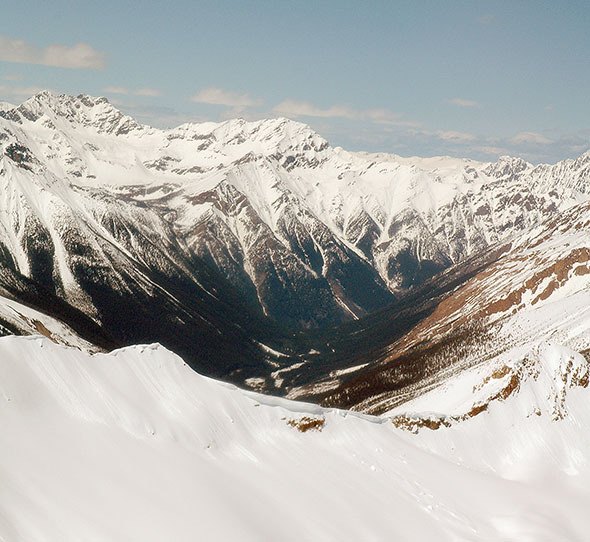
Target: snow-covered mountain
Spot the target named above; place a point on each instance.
(135, 446)
(314, 234)
(174, 185)
(461, 290)
(210, 237)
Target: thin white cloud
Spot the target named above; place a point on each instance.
(124, 91)
(157, 116)
(78, 56)
(487, 19)
(491, 150)
(218, 96)
(462, 102)
(457, 137)
(151, 92)
(533, 138)
(385, 116)
(116, 90)
(295, 108)
(12, 77)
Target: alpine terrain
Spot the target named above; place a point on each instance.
(161, 234)
(385, 330)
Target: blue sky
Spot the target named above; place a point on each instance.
(464, 78)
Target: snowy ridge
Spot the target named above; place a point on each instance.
(68, 112)
(161, 453)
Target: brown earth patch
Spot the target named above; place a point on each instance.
(408, 423)
(509, 389)
(307, 423)
(475, 411)
(414, 423)
(40, 327)
(582, 270)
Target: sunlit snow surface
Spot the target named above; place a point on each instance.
(135, 446)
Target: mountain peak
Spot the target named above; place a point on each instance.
(288, 134)
(270, 136)
(584, 157)
(77, 111)
(507, 166)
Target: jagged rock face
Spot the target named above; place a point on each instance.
(298, 275)
(95, 206)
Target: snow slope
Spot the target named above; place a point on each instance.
(135, 446)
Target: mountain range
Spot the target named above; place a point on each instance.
(268, 258)
(401, 345)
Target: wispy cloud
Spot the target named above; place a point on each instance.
(78, 56)
(124, 91)
(533, 138)
(295, 108)
(218, 96)
(536, 147)
(12, 77)
(116, 90)
(462, 102)
(151, 92)
(492, 150)
(157, 116)
(457, 137)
